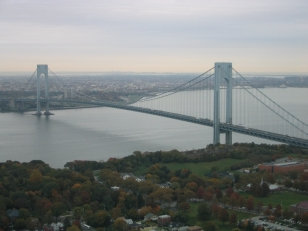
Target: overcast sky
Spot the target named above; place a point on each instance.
(154, 35)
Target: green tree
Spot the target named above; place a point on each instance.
(100, 219)
(58, 208)
(204, 213)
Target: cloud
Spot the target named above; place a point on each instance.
(139, 28)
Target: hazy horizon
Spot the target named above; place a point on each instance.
(123, 73)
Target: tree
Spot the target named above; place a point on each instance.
(184, 206)
(77, 212)
(119, 225)
(233, 218)
(304, 218)
(100, 219)
(260, 190)
(250, 203)
(58, 208)
(24, 213)
(35, 177)
(287, 214)
(223, 215)
(200, 192)
(210, 226)
(160, 195)
(20, 223)
(234, 199)
(145, 210)
(218, 193)
(133, 214)
(204, 213)
(73, 228)
(264, 190)
(277, 211)
(215, 210)
(192, 186)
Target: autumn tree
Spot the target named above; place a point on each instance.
(119, 225)
(35, 177)
(233, 218)
(223, 215)
(73, 228)
(250, 203)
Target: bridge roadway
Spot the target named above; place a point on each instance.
(224, 127)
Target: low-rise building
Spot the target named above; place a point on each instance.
(300, 208)
(283, 166)
(163, 220)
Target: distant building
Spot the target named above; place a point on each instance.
(300, 208)
(283, 165)
(163, 220)
(115, 188)
(149, 216)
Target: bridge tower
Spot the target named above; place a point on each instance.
(223, 72)
(42, 69)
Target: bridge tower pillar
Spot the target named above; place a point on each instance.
(223, 72)
(42, 69)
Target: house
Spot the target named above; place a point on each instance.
(12, 213)
(115, 188)
(274, 187)
(129, 221)
(164, 220)
(149, 216)
(300, 208)
(56, 226)
(126, 176)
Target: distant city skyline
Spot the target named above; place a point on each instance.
(154, 35)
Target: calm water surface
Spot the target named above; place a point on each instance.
(100, 133)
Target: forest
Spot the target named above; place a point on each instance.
(98, 194)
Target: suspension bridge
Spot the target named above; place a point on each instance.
(220, 97)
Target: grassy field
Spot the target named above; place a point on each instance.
(203, 168)
(285, 199)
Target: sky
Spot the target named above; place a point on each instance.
(154, 35)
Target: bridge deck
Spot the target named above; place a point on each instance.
(224, 127)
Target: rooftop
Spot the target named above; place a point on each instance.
(302, 205)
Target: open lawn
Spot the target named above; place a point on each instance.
(241, 215)
(203, 168)
(285, 199)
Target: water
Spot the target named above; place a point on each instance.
(101, 133)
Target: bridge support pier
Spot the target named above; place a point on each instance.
(218, 73)
(223, 72)
(42, 69)
(228, 79)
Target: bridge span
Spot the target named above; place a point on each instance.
(224, 127)
(220, 98)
